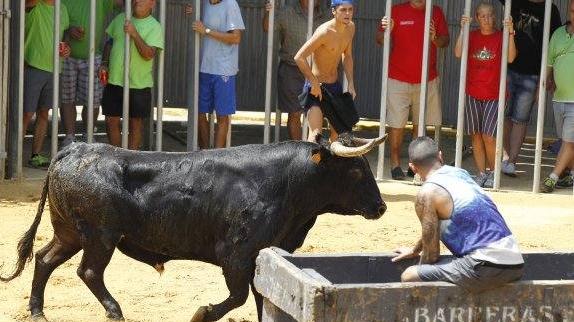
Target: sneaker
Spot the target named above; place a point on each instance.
(508, 168)
(565, 182)
(481, 178)
(489, 182)
(69, 139)
(397, 173)
(410, 173)
(548, 185)
(39, 161)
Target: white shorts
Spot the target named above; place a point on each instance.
(404, 97)
(564, 118)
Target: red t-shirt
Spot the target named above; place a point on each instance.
(483, 69)
(407, 37)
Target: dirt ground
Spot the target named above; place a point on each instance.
(540, 222)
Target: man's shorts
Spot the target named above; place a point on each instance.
(403, 97)
(290, 80)
(523, 93)
(469, 273)
(311, 100)
(217, 92)
(480, 116)
(38, 89)
(113, 101)
(564, 118)
(74, 81)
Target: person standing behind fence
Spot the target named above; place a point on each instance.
(39, 68)
(221, 25)
(561, 82)
(482, 87)
(291, 23)
(331, 44)
(523, 74)
(405, 66)
(146, 37)
(74, 78)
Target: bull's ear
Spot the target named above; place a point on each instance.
(316, 157)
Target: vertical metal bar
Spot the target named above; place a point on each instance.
(56, 78)
(269, 73)
(384, 86)
(126, 98)
(542, 97)
(424, 71)
(192, 117)
(501, 98)
(20, 129)
(462, 88)
(5, 52)
(91, 73)
(310, 16)
(160, 80)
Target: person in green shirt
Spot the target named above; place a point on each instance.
(146, 36)
(39, 69)
(74, 79)
(561, 83)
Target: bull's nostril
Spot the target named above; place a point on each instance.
(382, 209)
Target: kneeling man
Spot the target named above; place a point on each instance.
(454, 209)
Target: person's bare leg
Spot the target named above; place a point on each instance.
(203, 131)
(113, 126)
(40, 130)
(490, 149)
(26, 121)
(221, 131)
(516, 139)
(333, 135)
(410, 275)
(478, 152)
(136, 132)
(506, 138)
(294, 126)
(315, 120)
(565, 157)
(69, 118)
(395, 142)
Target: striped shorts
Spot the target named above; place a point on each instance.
(480, 116)
(74, 82)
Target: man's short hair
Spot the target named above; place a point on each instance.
(336, 3)
(423, 151)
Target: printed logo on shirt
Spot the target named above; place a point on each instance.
(484, 55)
(407, 23)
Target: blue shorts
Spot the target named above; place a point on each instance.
(216, 92)
(334, 88)
(522, 89)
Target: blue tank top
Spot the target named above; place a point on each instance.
(475, 221)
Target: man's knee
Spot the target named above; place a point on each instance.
(410, 275)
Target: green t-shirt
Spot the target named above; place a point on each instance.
(39, 35)
(79, 11)
(561, 59)
(141, 70)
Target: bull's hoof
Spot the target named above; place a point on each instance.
(201, 314)
(114, 317)
(38, 318)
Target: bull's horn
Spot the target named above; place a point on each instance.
(339, 149)
(361, 141)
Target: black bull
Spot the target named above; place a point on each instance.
(217, 206)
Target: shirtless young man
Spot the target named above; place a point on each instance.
(331, 43)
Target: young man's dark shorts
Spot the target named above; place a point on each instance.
(469, 273)
(113, 101)
(311, 100)
(290, 80)
(38, 89)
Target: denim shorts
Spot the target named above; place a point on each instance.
(522, 89)
(564, 118)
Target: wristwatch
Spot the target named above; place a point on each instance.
(207, 31)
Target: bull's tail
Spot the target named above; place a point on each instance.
(26, 243)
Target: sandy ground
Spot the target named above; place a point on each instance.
(541, 223)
